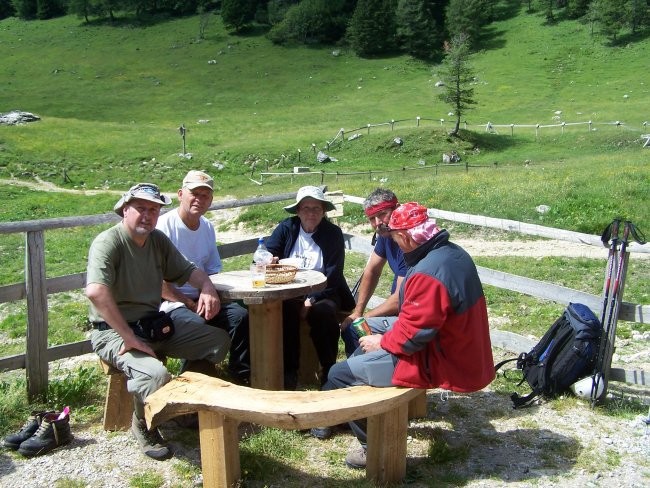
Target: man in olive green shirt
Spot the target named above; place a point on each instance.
(126, 268)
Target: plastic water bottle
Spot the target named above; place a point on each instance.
(262, 255)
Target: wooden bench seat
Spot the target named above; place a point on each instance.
(222, 406)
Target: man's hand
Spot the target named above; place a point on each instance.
(131, 342)
(208, 303)
(345, 323)
(370, 343)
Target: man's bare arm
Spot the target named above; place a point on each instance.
(369, 280)
(172, 294)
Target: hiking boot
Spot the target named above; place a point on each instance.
(322, 433)
(31, 425)
(356, 457)
(150, 441)
(52, 433)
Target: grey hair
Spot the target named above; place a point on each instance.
(378, 196)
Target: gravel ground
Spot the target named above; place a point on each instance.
(542, 446)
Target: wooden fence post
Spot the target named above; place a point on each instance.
(36, 361)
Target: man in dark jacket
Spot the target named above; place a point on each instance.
(319, 245)
(440, 338)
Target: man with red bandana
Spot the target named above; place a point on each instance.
(440, 338)
(378, 208)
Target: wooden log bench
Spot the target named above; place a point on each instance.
(221, 406)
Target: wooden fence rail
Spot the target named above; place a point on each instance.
(37, 288)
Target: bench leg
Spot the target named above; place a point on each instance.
(118, 406)
(418, 406)
(219, 439)
(386, 457)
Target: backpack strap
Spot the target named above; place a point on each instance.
(505, 361)
(525, 401)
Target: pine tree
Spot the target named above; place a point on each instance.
(418, 31)
(608, 16)
(237, 13)
(467, 17)
(457, 74)
(372, 27)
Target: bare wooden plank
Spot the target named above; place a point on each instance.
(36, 358)
(529, 229)
(11, 293)
(238, 248)
(57, 223)
(510, 341)
(633, 377)
(87, 220)
(70, 350)
(549, 291)
(66, 283)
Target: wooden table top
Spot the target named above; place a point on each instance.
(238, 285)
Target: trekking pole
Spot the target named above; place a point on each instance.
(612, 316)
(609, 234)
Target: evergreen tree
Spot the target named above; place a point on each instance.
(577, 8)
(26, 9)
(418, 33)
(372, 27)
(457, 75)
(6, 9)
(608, 15)
(237, 13)
(468, 17)
(638, 14)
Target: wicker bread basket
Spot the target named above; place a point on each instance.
(277, 274)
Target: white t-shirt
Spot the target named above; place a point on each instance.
(198, 246)
(307, 251)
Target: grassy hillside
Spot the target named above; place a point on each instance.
(112, 97)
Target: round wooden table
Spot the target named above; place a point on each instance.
(265, 318)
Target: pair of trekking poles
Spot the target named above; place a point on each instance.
(613, 287)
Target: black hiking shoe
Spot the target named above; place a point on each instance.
(31, 425)
(150, 441)
(52, 433)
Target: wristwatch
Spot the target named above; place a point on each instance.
(311, 300)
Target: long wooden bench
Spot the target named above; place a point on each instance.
(222, 406)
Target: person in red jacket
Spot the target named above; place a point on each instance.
(440, 338)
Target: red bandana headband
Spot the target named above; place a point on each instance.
(407, 216)
(390, 204)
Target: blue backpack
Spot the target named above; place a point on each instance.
(565, 354)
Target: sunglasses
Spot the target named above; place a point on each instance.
(145, 188)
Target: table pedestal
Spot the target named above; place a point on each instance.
(267, 359)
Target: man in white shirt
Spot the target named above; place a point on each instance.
(194, 236)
